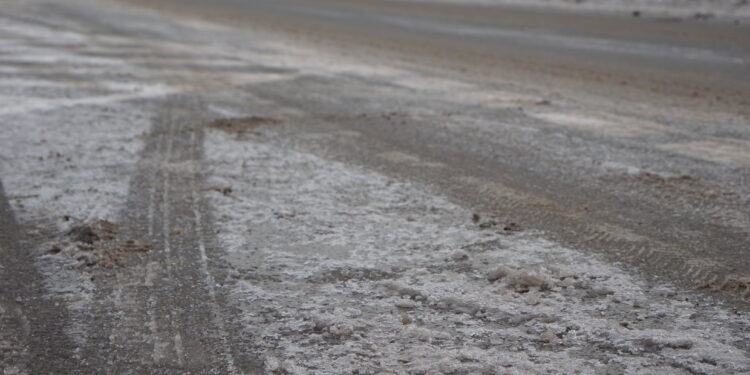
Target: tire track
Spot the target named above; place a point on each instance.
(168, 298)
(176, 337)
(160, 314)
(501, 178)
(31, 320)
(218, 319)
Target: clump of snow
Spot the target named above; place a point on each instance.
(523, 280)
(499, 273)
(345, 270)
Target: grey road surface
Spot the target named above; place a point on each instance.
(361, 186)
(682, 88)
(670, 56)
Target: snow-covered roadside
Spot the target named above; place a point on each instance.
(67, 148)
(343, 270)
(732, 10)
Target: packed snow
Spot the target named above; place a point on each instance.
(343, 270)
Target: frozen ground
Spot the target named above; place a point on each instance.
(343, 270)
(256, 251)
(67, 147)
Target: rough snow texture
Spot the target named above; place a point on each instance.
(338, 269)
(67, 146)
(342, 270)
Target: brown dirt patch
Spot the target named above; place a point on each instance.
(242, 125)
(95, 231)
(651, 178)
(98, 244)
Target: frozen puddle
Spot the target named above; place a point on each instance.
(343, 270)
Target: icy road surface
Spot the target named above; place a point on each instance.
(178, 196)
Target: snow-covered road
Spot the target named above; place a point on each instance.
(170, 205)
